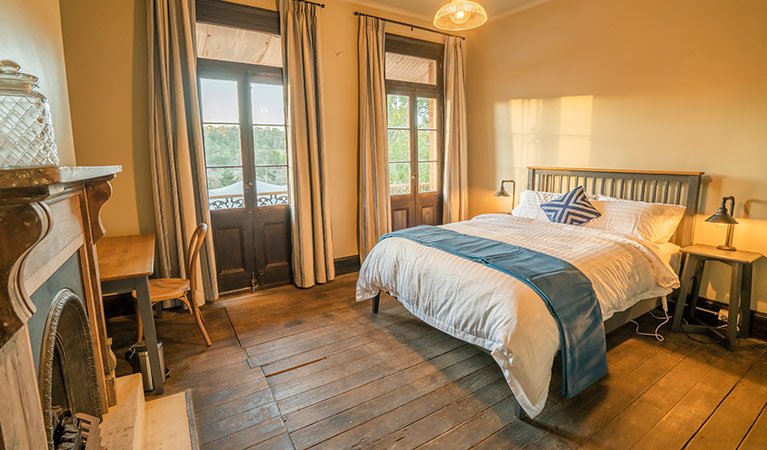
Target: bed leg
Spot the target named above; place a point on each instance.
(376, 299)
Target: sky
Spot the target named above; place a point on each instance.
(219, 102)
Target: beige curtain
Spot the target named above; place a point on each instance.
(374, 216)
(455, 206)
(309, 203)
(175, 144)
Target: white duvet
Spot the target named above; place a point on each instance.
(496, 311)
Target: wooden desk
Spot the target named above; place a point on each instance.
(739, 310)
(125, 264)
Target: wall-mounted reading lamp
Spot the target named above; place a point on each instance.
(503, 193)
(724, 217)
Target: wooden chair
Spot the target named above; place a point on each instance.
(161, 289)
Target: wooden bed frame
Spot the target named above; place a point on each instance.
(677, 188)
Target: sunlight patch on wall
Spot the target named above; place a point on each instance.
(542, 131)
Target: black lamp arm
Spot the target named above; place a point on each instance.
(731, 199)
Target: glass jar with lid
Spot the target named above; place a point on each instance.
(26, 131)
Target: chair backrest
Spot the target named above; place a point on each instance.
(195, 243)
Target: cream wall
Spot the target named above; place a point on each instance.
(105, 45)
(678, 85)
(30, 34)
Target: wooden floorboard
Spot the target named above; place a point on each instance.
(312, 368)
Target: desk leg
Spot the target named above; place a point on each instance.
(732, 319)
(745, 301)
(689, 269)
(150, 335)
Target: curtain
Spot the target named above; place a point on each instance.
(175, 143)
(312, 241)
(455, 206)
(374, 216)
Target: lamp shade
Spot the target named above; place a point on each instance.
(722, 215)
(460, 15)
(502, 192)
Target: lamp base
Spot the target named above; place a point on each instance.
(726, 248)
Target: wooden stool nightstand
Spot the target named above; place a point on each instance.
(739, 311)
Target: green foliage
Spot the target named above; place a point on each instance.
(399, 145)
(222, 148)
(222, 145)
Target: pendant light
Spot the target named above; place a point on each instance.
(460, 15)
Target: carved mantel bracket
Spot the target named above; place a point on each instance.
(23, 225)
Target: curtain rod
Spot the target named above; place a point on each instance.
(357, 13)
(321, 5)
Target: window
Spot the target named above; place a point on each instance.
(243, 116)
(414, 115)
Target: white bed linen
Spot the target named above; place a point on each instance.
(496, 311)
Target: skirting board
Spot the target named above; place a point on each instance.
(758, 324)
(347, 264)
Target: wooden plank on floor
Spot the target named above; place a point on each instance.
(446, 418)
(249, 436)
(331, 398)
(212, 431)
(232, 407)
(681, 423)
(373, 419)
(270, 352)
(405, 331)
(338, 361)
(416, 349)
(729, 424)
(757, 435)
(476, 429)
(329, 322)
(280, 442)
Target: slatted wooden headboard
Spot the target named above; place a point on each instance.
(678, 188)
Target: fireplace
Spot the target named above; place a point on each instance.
(67, 372)
(54, 363)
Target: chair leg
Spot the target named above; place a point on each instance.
(198, 318)
(139, 324)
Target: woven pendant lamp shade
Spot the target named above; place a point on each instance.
(460, 15)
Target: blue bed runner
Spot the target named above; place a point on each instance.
(568, 294)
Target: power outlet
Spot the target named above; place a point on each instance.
(723, 315)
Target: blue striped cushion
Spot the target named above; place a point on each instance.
(572, 208)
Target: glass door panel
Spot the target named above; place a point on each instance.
(221, 138)
(428, 145)
(270, 150)
(398, 124)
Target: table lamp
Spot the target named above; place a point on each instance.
(723, 216)
(504, 194)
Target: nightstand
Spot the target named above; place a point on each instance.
(739, 312)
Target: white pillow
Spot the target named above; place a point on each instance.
(530, 204)
(654, 222)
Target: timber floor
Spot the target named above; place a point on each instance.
(292, 368)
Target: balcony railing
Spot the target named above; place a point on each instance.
(217, 202)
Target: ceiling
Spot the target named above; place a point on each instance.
(427, 8)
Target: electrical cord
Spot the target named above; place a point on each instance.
(655, 334)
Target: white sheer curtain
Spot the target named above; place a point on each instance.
(374, 217)
(455, 202)
(175, 144)
(311, 235)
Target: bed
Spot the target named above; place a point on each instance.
(507, 317)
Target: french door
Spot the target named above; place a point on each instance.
(415, 157)
(247, 174)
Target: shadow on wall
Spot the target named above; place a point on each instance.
(541, 131)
